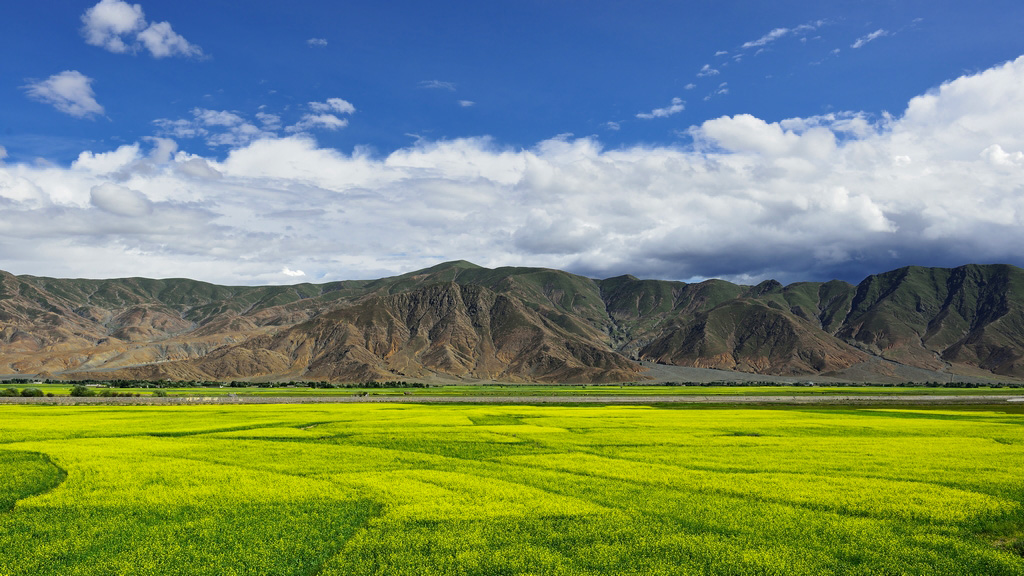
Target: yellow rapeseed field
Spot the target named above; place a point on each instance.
(340, 489)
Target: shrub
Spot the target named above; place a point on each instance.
(81, 390)
(108, 393)
(9, 392)
(32, 392)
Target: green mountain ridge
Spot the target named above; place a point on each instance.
(457, 320)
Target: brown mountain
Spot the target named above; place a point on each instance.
(461, 321)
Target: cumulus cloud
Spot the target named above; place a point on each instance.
(163, 149)
(219, 127)
(675, 107)
(815, 197)
(869, 37)
(318, 122)
(121, 27)
(995, 155)
(70, 92)
(106, 23)
(228, 128)
(317, 42)
(119, 200)
(217, 117)
(324, 116)
(269, 121)
(196, 168)
(707, 70)
(180, 128)
(333, 105)
(162, 41)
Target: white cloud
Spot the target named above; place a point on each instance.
(869, 37)
(163, 149)
(333, 105)
(238, 135)
(119, 200)
(181, 128)
(317, 42)
(269, 121)
(3, 153)
(466, 103)
(318, 122)
(70, 92)
(219, 127)
(196, 168)
(689, 86)
(292, 273)
(999, 157)
(107, 163)
(226, 128)
(805, 198)
(438, 84)
(707, 70)
(810, 26)
(781, 32)
(324, 116)
(121, 27)
(217, 117)
(162, 41)
(722, 90)
(612, 125)
(767, 38)
(856, 124)
(722, 53)
(107, 22)
(675, 107)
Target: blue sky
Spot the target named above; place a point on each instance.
(275, 142)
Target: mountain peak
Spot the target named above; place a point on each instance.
(451, 265)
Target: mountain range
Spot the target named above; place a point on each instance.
(460, 322)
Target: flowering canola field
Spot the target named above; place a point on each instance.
(504, 489)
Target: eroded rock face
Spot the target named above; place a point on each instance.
(458, 320)
(752, 337)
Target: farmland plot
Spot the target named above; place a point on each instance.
(420, 489)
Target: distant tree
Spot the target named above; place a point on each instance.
(81, 390)
(32, 392)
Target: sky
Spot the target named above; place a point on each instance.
(267, 142)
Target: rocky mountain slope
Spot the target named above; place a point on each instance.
(460, 321)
